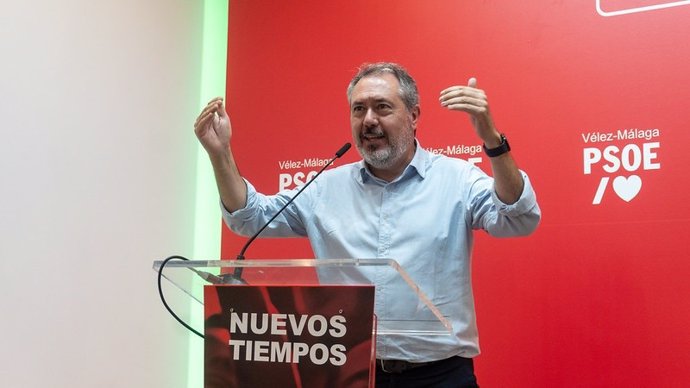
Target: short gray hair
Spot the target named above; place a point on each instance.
(408, 87)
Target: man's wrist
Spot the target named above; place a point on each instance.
(497, 149)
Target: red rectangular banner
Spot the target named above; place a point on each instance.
(295, 336)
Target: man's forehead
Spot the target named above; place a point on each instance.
(376, 87)
(381, 79)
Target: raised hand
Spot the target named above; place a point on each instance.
(213, 128)
(473, 101)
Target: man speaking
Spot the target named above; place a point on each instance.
(399, 202)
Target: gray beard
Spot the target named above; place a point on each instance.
(381, 158)
(387, 156)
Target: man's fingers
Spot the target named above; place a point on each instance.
(472, 109)
(448, 90)
(462, 94)
(449, 93)
(466, 100)
(471, 83)
(203, 117)
(221, 110)
(213, 106)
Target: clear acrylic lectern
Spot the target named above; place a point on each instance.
(421, 318)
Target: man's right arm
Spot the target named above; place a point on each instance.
(214, 132)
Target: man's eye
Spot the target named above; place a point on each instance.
(383, 106)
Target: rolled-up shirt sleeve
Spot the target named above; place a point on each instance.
(507, 220)
(258, 210)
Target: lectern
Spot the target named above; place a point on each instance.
(300, 322)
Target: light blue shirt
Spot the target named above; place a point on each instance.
(424, 219)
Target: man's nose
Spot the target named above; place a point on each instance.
(370, 118)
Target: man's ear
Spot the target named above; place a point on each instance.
(414, 113)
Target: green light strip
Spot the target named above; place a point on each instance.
(207, 212)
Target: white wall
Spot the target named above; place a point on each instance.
(97, 162)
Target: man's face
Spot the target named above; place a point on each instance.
(382, 127)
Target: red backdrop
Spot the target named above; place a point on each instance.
(595, 108)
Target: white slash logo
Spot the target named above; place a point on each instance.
(625, 188)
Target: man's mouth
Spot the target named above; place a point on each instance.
(370, 136)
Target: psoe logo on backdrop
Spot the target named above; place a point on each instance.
(625, 7)
(298, 172)
(636, 151)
